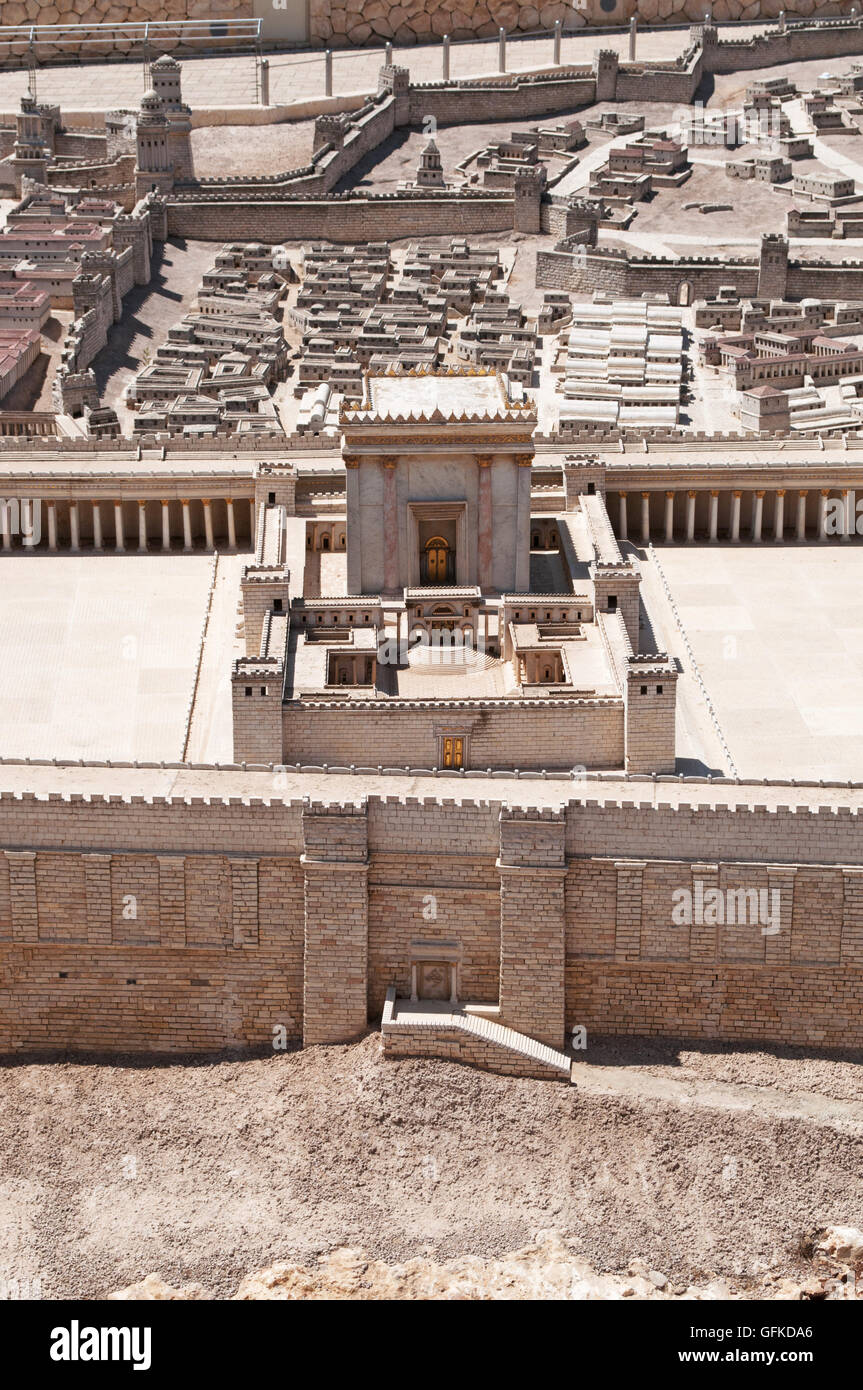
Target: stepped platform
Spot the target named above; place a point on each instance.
(438, 1028)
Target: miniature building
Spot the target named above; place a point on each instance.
(447, 642)
(429, 172)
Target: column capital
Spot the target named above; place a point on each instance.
(826, 491)
(646, 496)
(621, 494)
(485, 460)
(351, 461)
(759, 492)
(803, 492)
(736, 493)
(389, 463)
(164, 502)
(692, 493)
(780, 492)
(668, 494)
(524, 460)
(206, 501)
(714, 492)
(184, 501)
(141, 503)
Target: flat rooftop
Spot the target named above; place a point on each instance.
(451, 395)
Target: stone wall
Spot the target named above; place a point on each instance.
(555, 734)
(582, 270)
(344, 23)
(135, 925)
(341, 22)
(347, 219)
(16, 12)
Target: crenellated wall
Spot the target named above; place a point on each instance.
(191, 924)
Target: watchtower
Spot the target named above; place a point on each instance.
(773, 266)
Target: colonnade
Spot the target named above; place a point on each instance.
(788, 520)
(61, 525)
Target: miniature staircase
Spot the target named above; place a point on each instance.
(429, 1028)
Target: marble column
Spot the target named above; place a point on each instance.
(758, 515)
(522, 561)
(690, 515)
(52, 525)
(779, 517)
(142, 527)
(822, 513)
(118, 526)
(714, 514)
(253, 524)
(74, 528)
(6, 525)
(98, 540)
(390, 519)
(187, 524)
(166, 525)
(352, 506)
(847, 514)
(622, 527)
(232, 524)
(208, 524)
(801, 514)
(484, 539)
(669, 516)
(735, 516)
(645, 518)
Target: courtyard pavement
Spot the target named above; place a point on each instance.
(777, 631)
(99, 653)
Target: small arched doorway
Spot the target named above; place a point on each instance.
(437, 560)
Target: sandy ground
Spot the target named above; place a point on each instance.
(208, 1170)
(221, 152)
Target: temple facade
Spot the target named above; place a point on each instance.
(444, 621)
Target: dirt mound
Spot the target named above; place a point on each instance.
(208, 1170)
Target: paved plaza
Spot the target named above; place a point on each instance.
(99, 654)
(777, 632)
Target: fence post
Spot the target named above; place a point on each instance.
(445, 58)
(388, 55)
(501, 50)
(265, 81)
(633, 32)
(558, 30)
(328, 72)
